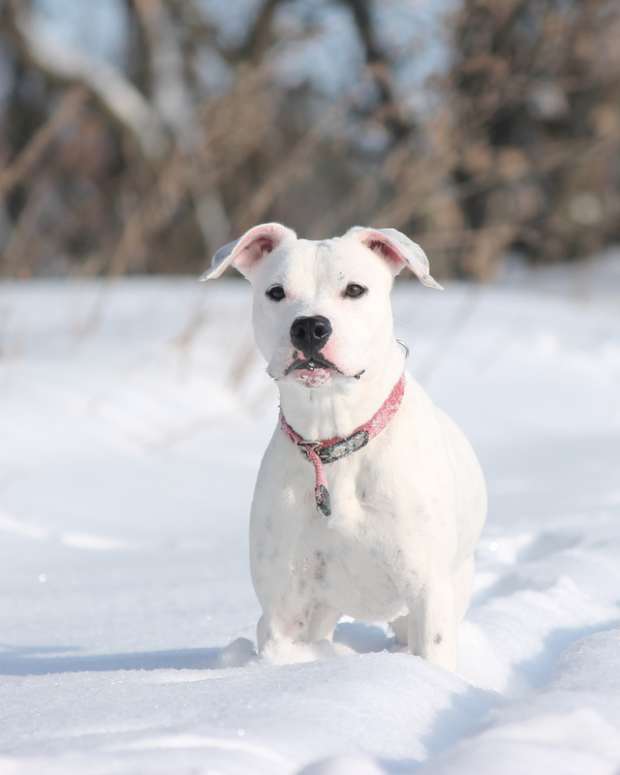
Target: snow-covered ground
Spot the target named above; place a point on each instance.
(132, 420)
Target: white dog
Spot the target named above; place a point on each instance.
(369, 500)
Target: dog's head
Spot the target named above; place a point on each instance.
(322, 309)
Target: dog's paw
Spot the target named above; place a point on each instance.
(287, 652)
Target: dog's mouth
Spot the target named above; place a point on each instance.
(316, 371)
(315, 363)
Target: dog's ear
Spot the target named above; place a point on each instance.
(248, 249)
(398, 250)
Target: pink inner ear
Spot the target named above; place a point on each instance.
(385, 249)
(251, 252)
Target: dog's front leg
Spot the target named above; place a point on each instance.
(432, 623)
(308, 624)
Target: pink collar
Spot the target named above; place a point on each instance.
(330, 450)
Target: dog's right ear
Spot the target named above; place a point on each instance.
(245, 252)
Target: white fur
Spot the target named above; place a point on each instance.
(407, 509)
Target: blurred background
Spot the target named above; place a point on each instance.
(137, 136)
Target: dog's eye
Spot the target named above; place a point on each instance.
(275, 293)
(354, 291)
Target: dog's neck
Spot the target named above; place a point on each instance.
(338, 408)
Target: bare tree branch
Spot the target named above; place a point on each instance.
(116, 95)
(170, 97)
(25, 163)
(380, 69)
(259, 35)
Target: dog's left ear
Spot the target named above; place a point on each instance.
(245, 252)
(398, 250)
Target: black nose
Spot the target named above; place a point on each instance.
(310, 335)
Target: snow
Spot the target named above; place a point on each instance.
(133, 416)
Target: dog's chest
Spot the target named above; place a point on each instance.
(349, 556)
(348, 569)
(352, 560)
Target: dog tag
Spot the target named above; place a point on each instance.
(323, 501)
